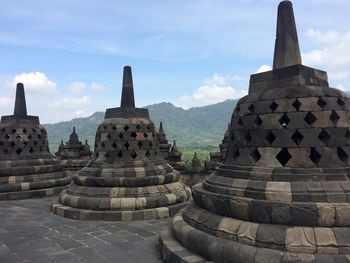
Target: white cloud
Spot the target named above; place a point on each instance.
(77, 86)
(34, 81)
(4, 101)
(329, 36)
(76, 101)
(263, 68)
(341, 87)
(96, 86)
(338, 75)
(331, 53)
(43, 93)
(79, 113)
(71, 102)
(216, 89)
(333, 50)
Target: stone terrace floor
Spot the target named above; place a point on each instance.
(30, 233)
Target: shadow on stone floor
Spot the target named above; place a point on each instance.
(30, 233)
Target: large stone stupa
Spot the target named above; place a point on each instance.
(282, 194)
(126, 179)
(27, 168)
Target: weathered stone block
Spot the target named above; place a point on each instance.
(300, 239)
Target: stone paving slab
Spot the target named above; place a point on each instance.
(30, 233)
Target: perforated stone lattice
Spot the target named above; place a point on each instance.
(31, 140)
(316, 125)
(126, 142)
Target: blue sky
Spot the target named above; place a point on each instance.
(70, 54)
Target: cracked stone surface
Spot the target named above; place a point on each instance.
(30, 233)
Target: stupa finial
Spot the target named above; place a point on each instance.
(74, 136)
(20, 103)
(174, 147)
(287, 51)
(128, 99)
(161, 128)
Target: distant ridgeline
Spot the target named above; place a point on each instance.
(200, 128)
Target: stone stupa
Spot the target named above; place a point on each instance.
(282, 194)
(74, 154)
(174, 158)
(224, 143)
(218, 156)
(164, 145)
(27, 168)
(195, 163)
(126, 179)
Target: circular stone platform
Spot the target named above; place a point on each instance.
(126, 179)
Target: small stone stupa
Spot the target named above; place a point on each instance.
(174, 158)
(126, 179)
(164, 145)
(195, 161)
(218, 156)
(195, 167)
(74, 154)
(27, 169)
(282, 193)
(225, 141)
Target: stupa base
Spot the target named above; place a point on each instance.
(73, 167)
(186, 244)
(117, 215)
(38, 193)
(172, 251)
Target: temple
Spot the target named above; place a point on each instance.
(27, 168)
(126, 179)
(74, 154)
(282, 192)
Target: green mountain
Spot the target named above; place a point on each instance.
(199, 128)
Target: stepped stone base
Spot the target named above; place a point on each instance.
(39, 193)
(186, 244)
(117, 215)
(73, 167)
(173, 252)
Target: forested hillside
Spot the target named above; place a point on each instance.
(200, 128)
